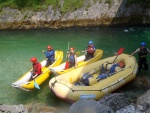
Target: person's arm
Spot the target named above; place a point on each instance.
(67, 55)
(48, 54)
(38, 71)
(76, 63)
(84, 51)
(135, 52)
(94, 48)
(148, 50)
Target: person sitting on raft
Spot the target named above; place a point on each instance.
(50, 55)
(72, 58)
(37, 68)
(90, 51)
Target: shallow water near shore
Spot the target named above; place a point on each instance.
(18, 46)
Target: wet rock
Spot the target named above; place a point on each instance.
(40, 108)
(31, 108)
(89, 106)
(115, 101)
(13, 109)
(141, 82)
(132, 108)
(145, 98)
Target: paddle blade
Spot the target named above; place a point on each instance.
(67, 65)
(120, 51)
(36, 85)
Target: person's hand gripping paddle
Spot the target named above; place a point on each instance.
(67, 62)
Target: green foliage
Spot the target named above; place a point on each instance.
(109, 2)
(2, 1)
(27, 3)
(71, 5)
(7, 3)
(54, 3)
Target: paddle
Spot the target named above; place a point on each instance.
(36, 85)
(67, 63)
(120, 51)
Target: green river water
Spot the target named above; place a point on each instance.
(18, 46)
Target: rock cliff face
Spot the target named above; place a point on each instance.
(91, 14)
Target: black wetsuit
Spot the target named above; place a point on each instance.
(142, 59)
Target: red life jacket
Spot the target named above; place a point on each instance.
(37, 68)
(90, 49)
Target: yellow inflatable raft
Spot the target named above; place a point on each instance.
(61, 68)
(71, 87)
(24, 83)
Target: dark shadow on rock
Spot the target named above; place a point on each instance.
(130, 15)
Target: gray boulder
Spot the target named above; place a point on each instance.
(145, 98)
(89, 106)
(13, 109)
(115, 101)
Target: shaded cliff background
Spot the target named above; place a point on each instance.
(20, 14)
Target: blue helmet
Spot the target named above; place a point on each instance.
(143, 44)
(90, 42)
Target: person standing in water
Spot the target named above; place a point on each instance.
(142, 53)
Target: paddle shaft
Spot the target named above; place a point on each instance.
(118, 53)
(68, 49)
(115, 58)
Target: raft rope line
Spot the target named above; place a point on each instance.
(93, 90)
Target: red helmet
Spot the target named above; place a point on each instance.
(71, 48)
(33, 59)
(49, 47)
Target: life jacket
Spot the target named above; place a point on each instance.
(51, 57)
(37, 68)
(143, 52)
(90, 49)
(71, 58)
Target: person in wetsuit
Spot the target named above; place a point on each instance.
(142, 53)
(50, 55)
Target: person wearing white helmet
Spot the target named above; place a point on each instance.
(90, 51)
(142, 53)
(50, 55)
(72, 58)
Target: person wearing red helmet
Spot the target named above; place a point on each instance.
(50, 55)
(142, 53)
(72, 58)
(37, 68)
(89, 51)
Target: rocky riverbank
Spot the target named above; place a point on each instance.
(92, 13)
(112, 103)
(118, 102)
